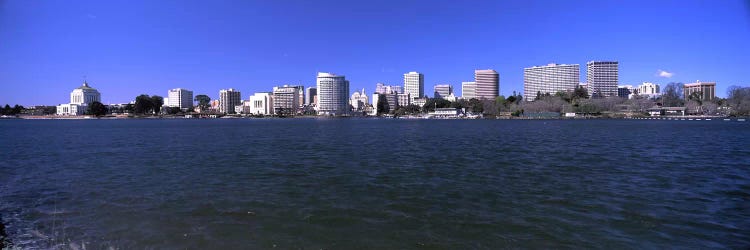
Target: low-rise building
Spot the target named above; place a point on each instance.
(261, 103)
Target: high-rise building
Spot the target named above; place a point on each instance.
(443, 90)
(648, 88)
(359, 100)
(311, 96)
(487, 84)
(706, 90)
(180, 98)
(602, 77)
(468, 90)
(286, 99)
(414, 84)
(261, 103)
(333, 94)
(80, 99)
(403, 99)
(549, 79)
(228, 98)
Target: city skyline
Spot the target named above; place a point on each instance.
(54, 45)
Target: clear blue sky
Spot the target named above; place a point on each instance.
(126, 48)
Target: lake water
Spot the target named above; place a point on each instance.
(375, 183)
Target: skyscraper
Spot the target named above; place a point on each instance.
(443, 90)
(414, 84)
(285, 99)
(549, 79)
(487, 83)
(311, 96)
(228, 98)
(333, 94)
(602, 77)
(468, 90)
(180, 98)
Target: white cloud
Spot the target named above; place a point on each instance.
(665, 74)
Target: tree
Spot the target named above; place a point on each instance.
(156, 103)
(7, 110)
(143, 104)
(203, 101)
(433, 103)
(98, 109)
(17, 109)
(672, 95)
(738, 98)
(173, 110)
(413, 109)
(580, 93)
(382, 105)
(476, 105)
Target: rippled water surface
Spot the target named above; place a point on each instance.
(374, 183)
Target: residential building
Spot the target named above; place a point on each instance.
(388, 89)
(647, 88)
(602, 77)
(414, 84)
(286, 100)
(80, 99)
(359, 100)
(487, 84)
(311, 96)
(550, 79)
(419, 101)
(706, 90)
(180, 98)
(403, 99)
(333, 94)
(261, 103)
(468, 90)
(228, 98)
(443, 90)
(391, 99)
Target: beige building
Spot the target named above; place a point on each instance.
(706, 90)
(487, 83)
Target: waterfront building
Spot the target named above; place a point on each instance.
(80, 99)
(487, 84)
(359, 100)
(388, 89)
(626, 91)
(333, 94)
(228, 98)
(705, 90)
(419, 101)
(311, 96)
(602, 77)
(647, 88)
(443, 90)
(261, 103)
(180, 98)
(243, 108)
(285, 100)
(446, 113)
(414, 84)
(403, 99)
(390, 98)
(468, 90)
(550, 79)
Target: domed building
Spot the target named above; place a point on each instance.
(80, 99)
(359, 100)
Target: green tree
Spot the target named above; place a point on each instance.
(156, 103)
(413, 109)
(580, 93)
(476, 105)
(98, 109)
(17, 109)
(7, 110)
(203, 101)
(143, 104)
(433, 103)
(382, 105)
(173, 110)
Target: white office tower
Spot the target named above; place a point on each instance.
(549, 79)
(443, 90)
(286, 99)
(180, 98)
(487, 84)
(414, 84)
(602, 77)
(468, 90)
(333, 94)
(228, 99)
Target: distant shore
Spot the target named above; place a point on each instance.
(123, 117)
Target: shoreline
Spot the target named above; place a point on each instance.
(372, 117)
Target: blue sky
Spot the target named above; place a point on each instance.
(125, 48)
